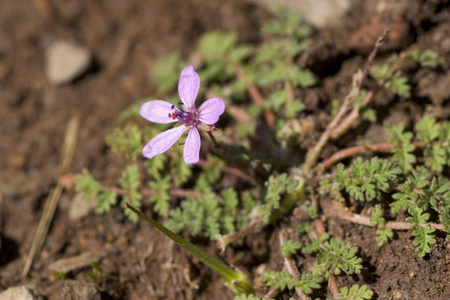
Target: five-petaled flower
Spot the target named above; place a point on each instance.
(189, 117)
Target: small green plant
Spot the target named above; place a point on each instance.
(355, 292)
(255, 164)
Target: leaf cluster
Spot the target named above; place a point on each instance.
(355, 292)
(212, 214)
(93, 191)
(363, 180)
(127, 140)
(391, 76)
(283, 280)
(383, 234)
(275, 187)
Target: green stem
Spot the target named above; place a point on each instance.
(237, 280)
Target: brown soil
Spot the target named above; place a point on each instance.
(126, 38)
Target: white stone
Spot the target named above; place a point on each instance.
(320, 13)
(17, 293)
(79, 207)
(66, 61)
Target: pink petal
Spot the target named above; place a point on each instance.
(157, 111)
(210, 111)
(162, 142)
(192, 147)
(188, 86)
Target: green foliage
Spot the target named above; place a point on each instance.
(127, 140)
(390, 74)
(132, 112)
(91, 189)
(399, 85)
(426, 58)
(364, 180)
(383, 234)
(85, 183)
(403, 148)
(287, 24)
(337, 255)
(209, 213)
(214, 45)
(422, 233)
(104, 201)
(282, 72)
(434, 136)
(230, 202)
(289, 248)
(130, 181)
(355, 292)
(274, 49)
(276, 186)
(211, 206)
(283, 280)
(160, 186)
(315, 244)
(166, 72)
(221, 54)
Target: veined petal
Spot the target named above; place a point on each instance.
(162, 142)
(210, 111)
(192, 147)
(157, 111)
(188, 86)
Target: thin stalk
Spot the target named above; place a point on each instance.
(213, 139)
(236, 280)
(291, 267)
(331, 209)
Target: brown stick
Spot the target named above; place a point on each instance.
(291, 267)
(270, 294)
(372, 56)
(359, 150)
(52, 201)
(353, 116)
(332, 285)
(332, 209)
(353, 151)
(345, 125)
(254, 93)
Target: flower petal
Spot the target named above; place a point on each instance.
(188, 86)
(157, 111)
(192, 147)
(162, 142)
(210, 111)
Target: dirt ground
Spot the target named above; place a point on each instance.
(125, 39)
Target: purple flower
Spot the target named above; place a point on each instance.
(189, 117)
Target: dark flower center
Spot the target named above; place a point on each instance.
(186, 117)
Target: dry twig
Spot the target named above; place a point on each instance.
(291, 267)
(331, 209)
(55, 194)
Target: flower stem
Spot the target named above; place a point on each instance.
(213, 139)
(238, 281)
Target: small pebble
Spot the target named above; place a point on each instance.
(66, 61)
(18, 293)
